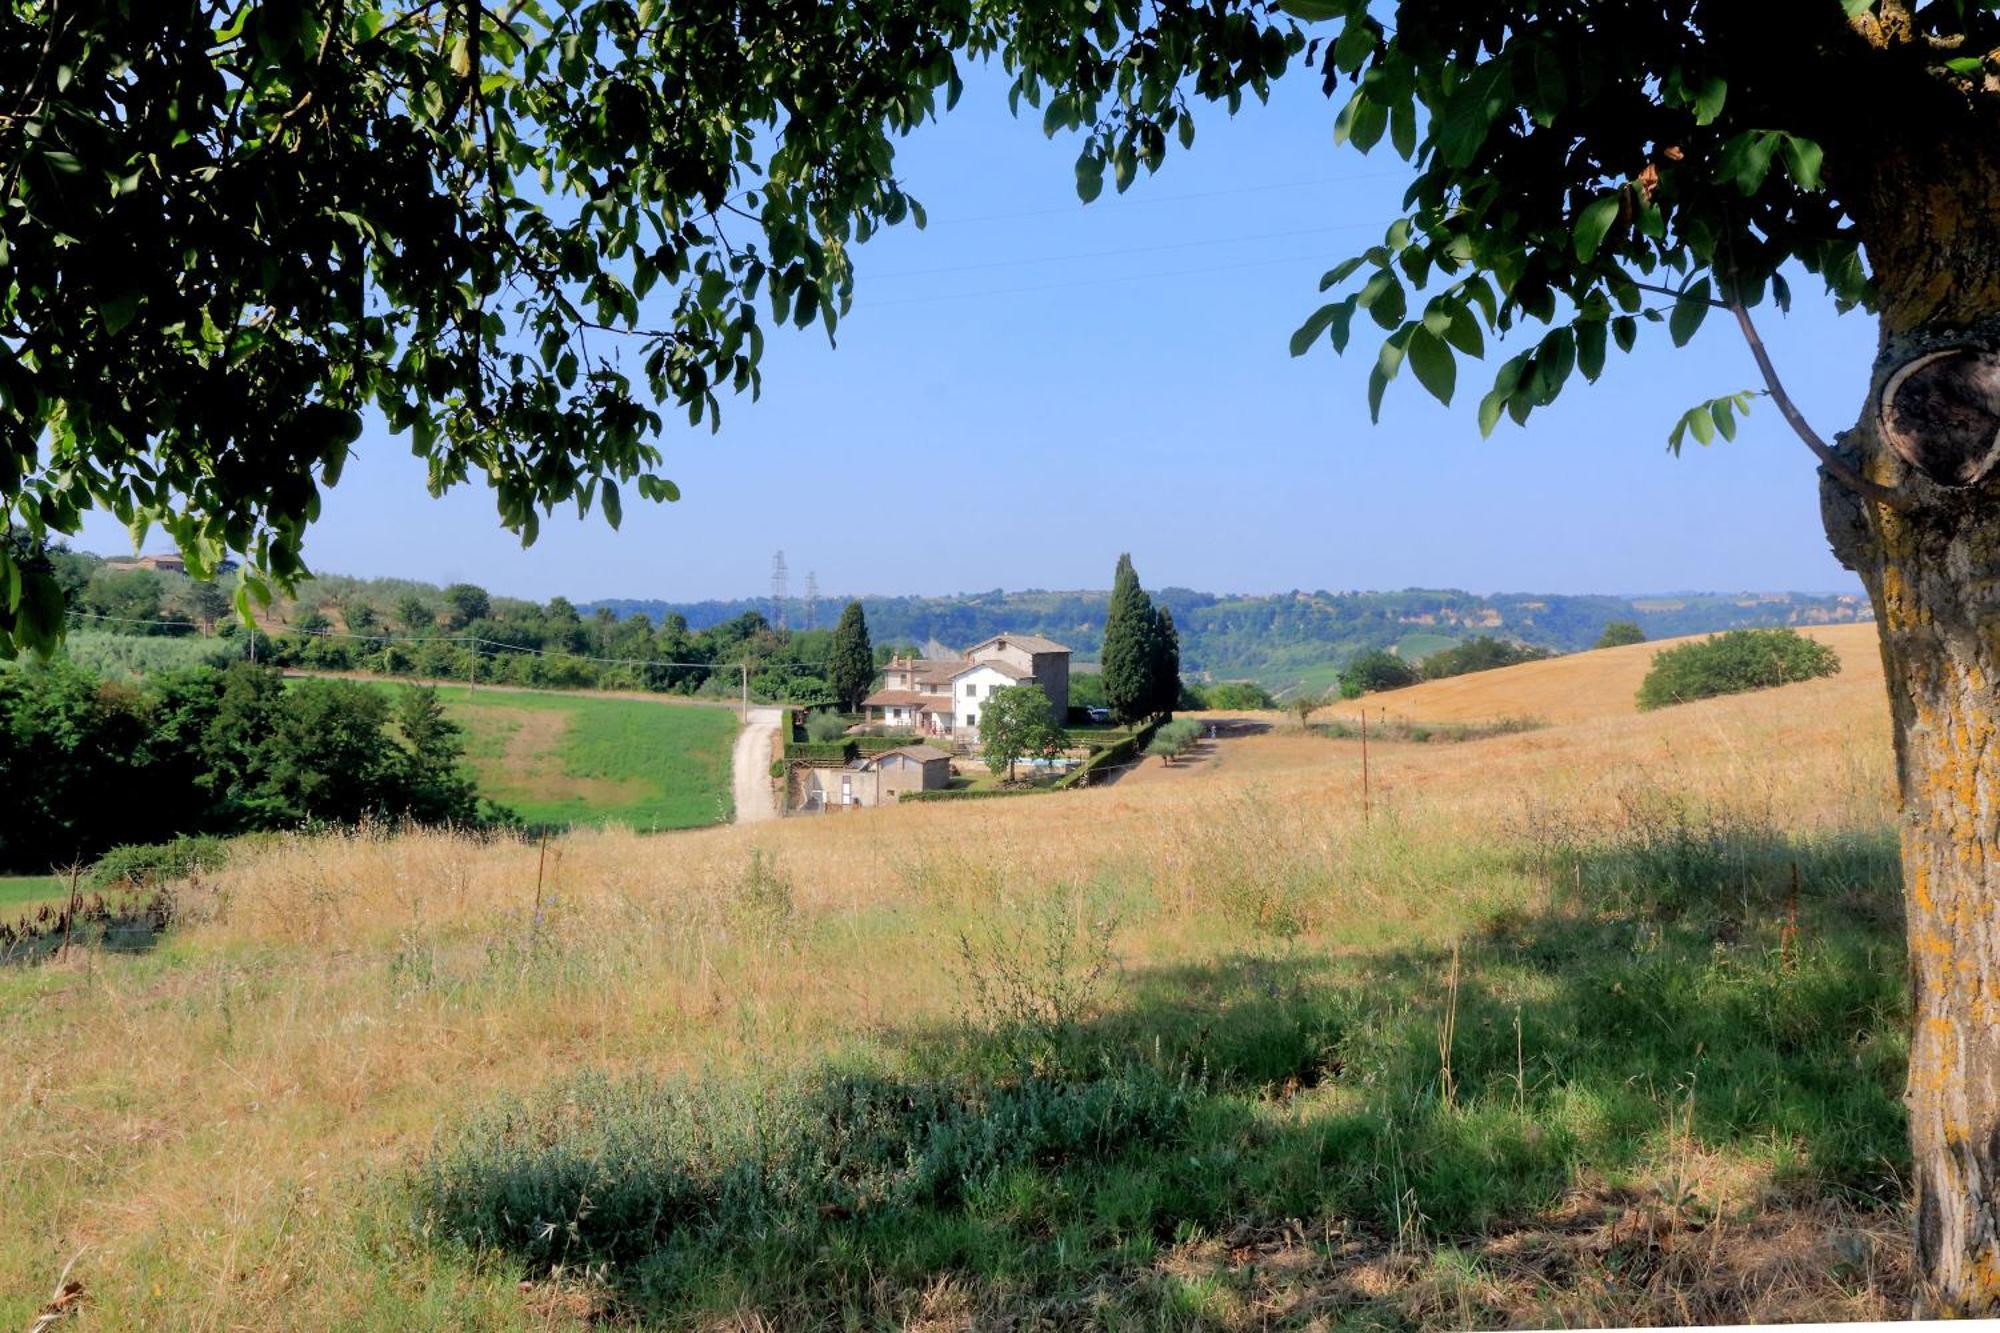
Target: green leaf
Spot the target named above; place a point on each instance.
(1802, 162)
(1316, 323)
(1433, 365)
(1746, 160)
(1469, 112)
(1341, 272)
(1313, 11)
(1689, 311)
(1725, 417)
(1593, 224)
(1490, 408)
(1384, 299)
(1464, 332)
(1089, 176)
(1403, 128)
(1708, 102)
(1590, 348)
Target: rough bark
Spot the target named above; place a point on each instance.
(1933, 573)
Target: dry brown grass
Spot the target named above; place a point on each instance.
(211, 1127)
(1601, 684)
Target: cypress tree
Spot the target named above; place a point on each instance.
(1131, 652)
(850, 667)
(1166, 663)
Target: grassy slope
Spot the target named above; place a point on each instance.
(1539, 1044)
(1600, 683)
(572, 758)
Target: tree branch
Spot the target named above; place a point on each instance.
(1832, 462)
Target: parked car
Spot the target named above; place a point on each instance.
(1099, 715)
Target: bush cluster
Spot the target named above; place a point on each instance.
(142, 865)
(1376, 670)
(1229, 696)
(1483, 653)
(1733, 662)
(87, 764)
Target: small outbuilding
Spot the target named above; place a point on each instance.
(878, 779)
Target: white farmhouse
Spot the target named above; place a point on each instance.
(944, 697)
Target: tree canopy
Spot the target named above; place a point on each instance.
(1017, 723)
(229, 228)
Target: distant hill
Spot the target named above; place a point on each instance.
(1286, 639)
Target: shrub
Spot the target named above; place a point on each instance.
(972, 793)
(139, 865)
(825, 726)
(1375, 670)
(671, 1174)
(893, 740)
(1733, 662)
(1484, 653)
(1174, 739)
(1620, 633)
(1235, 694)
(829, 752)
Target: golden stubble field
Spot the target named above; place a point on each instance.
(211, 1136)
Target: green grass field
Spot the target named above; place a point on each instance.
(23, 893)
(572, 758)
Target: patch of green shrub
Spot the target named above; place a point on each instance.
(680, 1177)
(877, 744)
(145, 864)
(972, 793)
(1374, 671)
(1733, 662)
(824, 727)
(1484, 653)
(1235, 694)
(829, 752)
(1124, 752)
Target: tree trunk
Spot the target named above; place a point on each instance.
(1932, 570)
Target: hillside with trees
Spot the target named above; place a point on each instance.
(1282, 638)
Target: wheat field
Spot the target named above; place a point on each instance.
(274, 1119)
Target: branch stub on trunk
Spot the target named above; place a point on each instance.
(1940, 412)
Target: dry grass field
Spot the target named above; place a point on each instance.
(1600, 684)
(1598, 1023)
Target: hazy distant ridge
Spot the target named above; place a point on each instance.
(1285, 637)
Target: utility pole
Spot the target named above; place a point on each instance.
(812, 601)
(1365, 813)
(744, 667)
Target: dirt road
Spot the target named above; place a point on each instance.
(751, 766)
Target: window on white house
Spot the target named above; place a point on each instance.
(972, 691)
(972, 719)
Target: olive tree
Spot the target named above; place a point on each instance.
(522, 235)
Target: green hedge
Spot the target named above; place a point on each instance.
(973, 793)
(877, 744)
(824, 752)
(1124, 752)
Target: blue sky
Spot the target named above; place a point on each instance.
(1030, 386)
